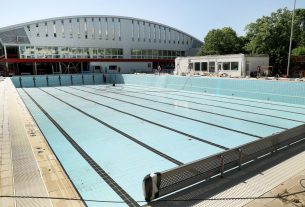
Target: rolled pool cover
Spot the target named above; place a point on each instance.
(151, 185)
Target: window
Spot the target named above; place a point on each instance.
(149, 53)
(138, 31)
(71, 31)
(155, 34)
(62, 28)
(132, 30)
(78, 32)
(100, 29)
(93, 30)
(191, 66)
(169, 36)
(211, 67)
(119, 25)
(159, 34)
(108, 52)
(160, 54)
(204, 66)
(226, 66)
(149, 32)
(113, 29)
(234, 65)
(197, 66)
(112, 67)
(37, 30)
(85, 27)
(46, 29)
(144, 35)
(54, 29)
(106, 29)
(120, 52)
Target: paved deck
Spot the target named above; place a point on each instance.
(28, 166)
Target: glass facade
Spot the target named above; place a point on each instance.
(230, 65)
(155, 54)
(35, 52)
(211, 66)
(69, 52)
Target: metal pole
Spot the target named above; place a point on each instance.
(291, 34)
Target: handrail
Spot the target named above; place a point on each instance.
(159, 184)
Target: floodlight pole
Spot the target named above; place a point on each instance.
(291, 34)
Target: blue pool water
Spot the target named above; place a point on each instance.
(150, 123)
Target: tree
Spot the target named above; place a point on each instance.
(222, 41)
(298, 51)
(271, 35)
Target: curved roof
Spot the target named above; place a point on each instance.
(92, 16)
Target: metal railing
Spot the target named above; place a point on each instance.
(159, 184)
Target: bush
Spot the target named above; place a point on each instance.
(298, 51)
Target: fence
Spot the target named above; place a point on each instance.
(159, 184)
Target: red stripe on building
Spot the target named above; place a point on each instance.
(45, 60)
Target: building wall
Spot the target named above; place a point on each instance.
(107, 32)
(92, 37)
(231, 65)
(257, 61)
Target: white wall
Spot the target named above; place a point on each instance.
(182, 64)
(256, 61)
(177, 41)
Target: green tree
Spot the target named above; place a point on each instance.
(271, 35)
(298, 51)
(222, 41)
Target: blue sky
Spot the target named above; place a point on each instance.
(195, 17)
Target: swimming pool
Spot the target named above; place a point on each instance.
(108, 138)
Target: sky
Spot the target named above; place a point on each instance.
(195, 17)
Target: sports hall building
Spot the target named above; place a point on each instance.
(80, 44)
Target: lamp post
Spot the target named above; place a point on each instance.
(291, 34)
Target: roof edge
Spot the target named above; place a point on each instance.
(91, 16)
